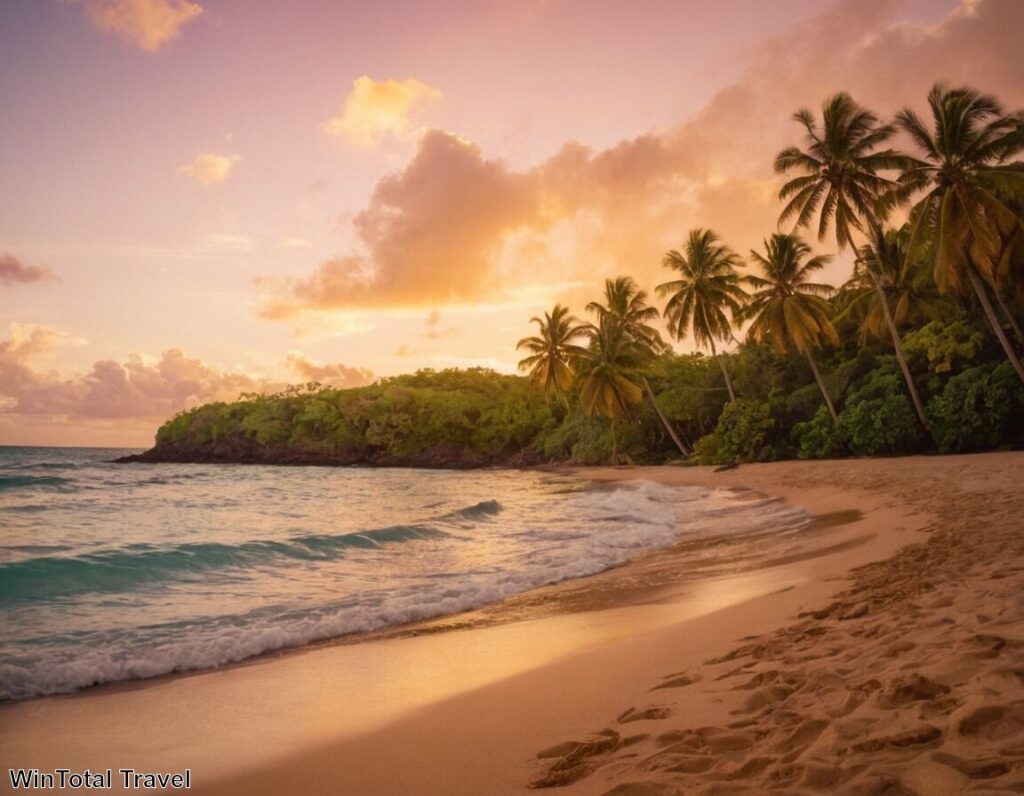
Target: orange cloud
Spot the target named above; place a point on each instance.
(208, 168)
(146, 24)
(14, 271)
(376, 109)
(330, 375)
(429, 233)
(456, 228)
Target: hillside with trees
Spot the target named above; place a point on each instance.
(918, 351)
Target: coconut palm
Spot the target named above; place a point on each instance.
(908, 290)
(785, 307)
(552, 351)
(970, 191)
(708, 285)
(840, 182)
(626, 305)
(609, 374)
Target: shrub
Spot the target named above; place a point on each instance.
(939, 348)
(706, 449)
(979, 408)
(744, 432)
(817, 438)
(878, 417)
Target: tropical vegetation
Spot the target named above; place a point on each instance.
(917, 351)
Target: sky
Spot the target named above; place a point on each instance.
(205, 197)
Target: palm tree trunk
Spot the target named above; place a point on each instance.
(898, 347)
(1009, 316)
(821, 386)
(725, 372)
(615, 444)
(993, 321)
(664, 420)
(897, 343)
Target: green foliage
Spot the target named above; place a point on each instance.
(473, 415)
(817, 438)
(478, 416)
(707, 450)
(941, 348)
(690, 391)
(743, 434)
(981, 408)
(878, 417)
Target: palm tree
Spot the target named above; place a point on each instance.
(626, 305)
(971, 189)
(1011, 277)
(785, 307)
(907, 289)
(608, 374)
(840, 182)
(708, 286)
(552, 352)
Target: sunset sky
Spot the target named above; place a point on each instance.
(202, 197)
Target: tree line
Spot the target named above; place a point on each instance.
(958, 257)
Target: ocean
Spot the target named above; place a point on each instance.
(112, 572)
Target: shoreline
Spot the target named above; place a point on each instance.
(731, 552)
(653, 573)
(485, 732)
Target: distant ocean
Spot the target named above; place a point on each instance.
(116, 572)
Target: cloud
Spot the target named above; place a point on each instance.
(208, 168)
(292, 242)
(376, 109)
(227, 242)
(146, 24)
(25, 343)
(138, 389)
(456, 228)
(331, 375)
(429, 232)
(132, 389)
(13, 271)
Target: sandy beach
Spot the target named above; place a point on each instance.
(879, 650)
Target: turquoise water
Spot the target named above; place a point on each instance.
(113, 572)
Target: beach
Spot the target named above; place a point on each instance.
(880, 650)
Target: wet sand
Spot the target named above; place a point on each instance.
(722, 668)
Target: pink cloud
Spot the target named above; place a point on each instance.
(135, 389)
(13, 271)
(330, 375)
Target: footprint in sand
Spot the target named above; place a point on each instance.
(973, 769)
(922, 735)
(651, 713)
(764, 698)
(690, 764)
(573, 758)
(991, 722)
(910, 688)
(803, 736)
(678, 680)
(638, 789)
